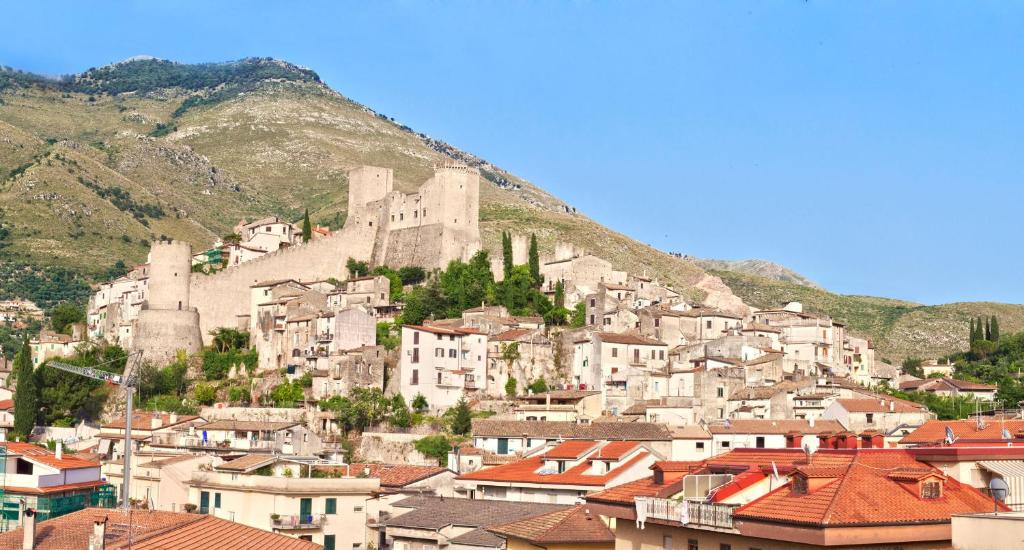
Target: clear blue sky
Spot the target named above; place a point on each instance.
(874, 147)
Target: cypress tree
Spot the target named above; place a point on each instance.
(506, 253)
(972, 338)
(560, 294)
(988, 331)
(995, 329)
(307, 228)
(535, 261)
(26, 396)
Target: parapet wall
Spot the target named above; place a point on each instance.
(222, 297)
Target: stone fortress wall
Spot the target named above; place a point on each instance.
(429, 228)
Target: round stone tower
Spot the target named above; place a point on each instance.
(167, 323)
(170, 270)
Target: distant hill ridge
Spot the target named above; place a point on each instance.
(95, 166)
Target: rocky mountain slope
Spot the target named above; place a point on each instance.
(95, 166)
(761, 268)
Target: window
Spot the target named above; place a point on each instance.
(709, 324)
(724, 546)
(593, 302)
(661, 355)
(415, 355)
(725, 444)
(615, 352)
(438, 378)
(328, 542)
(415, 338)
(759, 442)
(666, 542)
(415, 377)
(216, 500)
(870, 418)
(700, 445)
(692, 545)
(800, 485)
(657, 323)
(931, 489)
(720, 391)
(452, 353)
(331, 506)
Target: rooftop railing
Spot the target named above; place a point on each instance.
(687, 512)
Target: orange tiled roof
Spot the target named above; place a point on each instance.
(572, 449)
(525, 471)
(6, 404)
(152, 530)
(864, 493)
(934, 431)
(646, 487)
(572, 525)
(629, 339)
(615, 450)
(143, 421)
(43, 456)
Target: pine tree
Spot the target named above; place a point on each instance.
(506, 253)
(535, 262)
(560, 294)
(995, 329)
(973, 337)
(988, 331)
(26, 396)
(462, 419)
(307, 228)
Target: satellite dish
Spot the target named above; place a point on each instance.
(950, 437)
(1006, 433)
(999, 489)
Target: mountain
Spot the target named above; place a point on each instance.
(95, 166)
(761, 268)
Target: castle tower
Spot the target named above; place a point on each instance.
(170, 270)
(459, 189)
(167, 322)
(365, 185)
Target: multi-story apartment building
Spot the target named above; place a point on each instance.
(443, 364)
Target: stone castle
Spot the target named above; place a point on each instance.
(429, 228)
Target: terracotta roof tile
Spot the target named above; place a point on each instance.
(573, 449)
(779, 427)
(572, 526)
(934, 431)
(44, 456)
(629, 339)
(526, 471)
(152, 530)
(864, 493)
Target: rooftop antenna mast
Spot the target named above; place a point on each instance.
(129, 381)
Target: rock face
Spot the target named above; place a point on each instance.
(388, 448)
(761, 268)
(719, 295)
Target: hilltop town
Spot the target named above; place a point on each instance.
(390, 384)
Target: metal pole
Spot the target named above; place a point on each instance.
(127, 472)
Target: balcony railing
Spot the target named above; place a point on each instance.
(470, 384)
(297, 521)
(325, 337)
(687, 512)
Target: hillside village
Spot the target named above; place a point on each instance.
(388, 384)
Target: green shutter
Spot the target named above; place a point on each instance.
(331, 507)
(329, 541)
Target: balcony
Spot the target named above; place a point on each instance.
(688, 512)
(297, 521)
(470, 384)
(325, 337)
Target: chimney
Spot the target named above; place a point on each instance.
(547, 400)
(892, 406)
(99, 532)
(60, 449)
(156, 422)
(174, 418)
(28, 525)
(810, 421)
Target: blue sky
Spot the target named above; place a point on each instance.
(875, 147)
